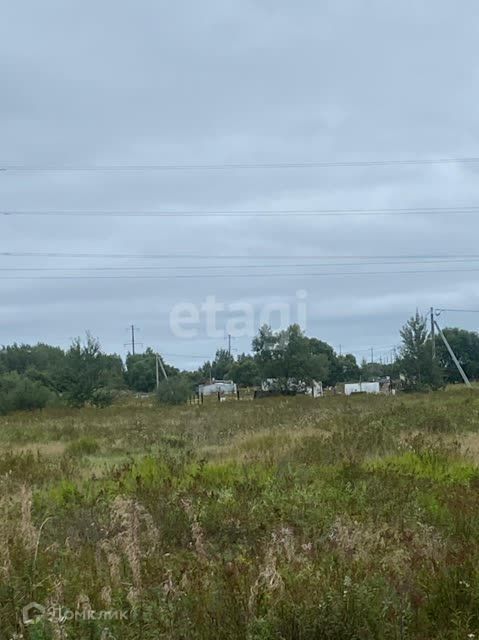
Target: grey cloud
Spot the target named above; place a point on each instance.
(227, 81)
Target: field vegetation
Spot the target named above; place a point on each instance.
(292, 519)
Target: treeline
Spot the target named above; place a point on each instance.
(33, 377)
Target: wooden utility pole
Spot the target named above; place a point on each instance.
(160, 365)
(133, 342)
(453, 356)
(133, 339)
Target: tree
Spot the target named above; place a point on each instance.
(465, 345)
(420, 370)
(40, 362)
(347, 369)
(85, 375)
(141, 371)
(289, 357)
(18, 393)
(245, 371)
(373, 370)
(221, 365)
(174, 391)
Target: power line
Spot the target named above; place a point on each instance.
(209, 256)
(380, 348)
(8, 166)
(186, 355)
(244, 276)
(259, 213)
(458, 310)
(241, 266)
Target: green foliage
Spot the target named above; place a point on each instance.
(174, 391)
(346, 518)
(85, 446)
(141, 371)
(221, 365)
(289, 357)
(88, 373)
(417, 364)
(465, 345)
(40, 363)
(102, 398)
(19, 393)
(345, 369)
(245, 372)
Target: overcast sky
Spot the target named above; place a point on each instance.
(87, 84)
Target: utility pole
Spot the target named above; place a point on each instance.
(453, 356)
(229, 343)
(159, 364)
(372, 355)
(133, 342)
(133, 339)
(433, 335)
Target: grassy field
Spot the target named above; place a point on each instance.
(283, 518)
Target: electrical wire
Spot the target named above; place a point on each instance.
(458, 310)
(9, 166)
(257, 213)
(241, 275)
(238, 266)
(209, 256)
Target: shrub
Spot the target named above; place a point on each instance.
(18, 393)
(83, 447)
(173, 391)
(102, 398)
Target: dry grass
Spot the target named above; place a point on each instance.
(279, 519)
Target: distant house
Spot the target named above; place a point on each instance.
(314, 390)
(380, 386)
(361, 387)
(223, 387)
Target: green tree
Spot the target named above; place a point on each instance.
(19, 393)
(85, 376)
(420, 370)
(140, 372)
(373, 370)
(465, 345)
(174, 391)
(245, 371)
(289, 357)
(347, 369)
(40, 362)
(221, 365)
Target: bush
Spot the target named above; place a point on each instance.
(85, 446)
(18, 393)
(102, 398)
(173, 391)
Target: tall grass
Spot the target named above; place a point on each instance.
(281, 519)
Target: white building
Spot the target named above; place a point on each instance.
(315, 390)
(223, 387)
(362, 387)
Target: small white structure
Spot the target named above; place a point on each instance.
(362, 387)
(223, 387)
(315, 390)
